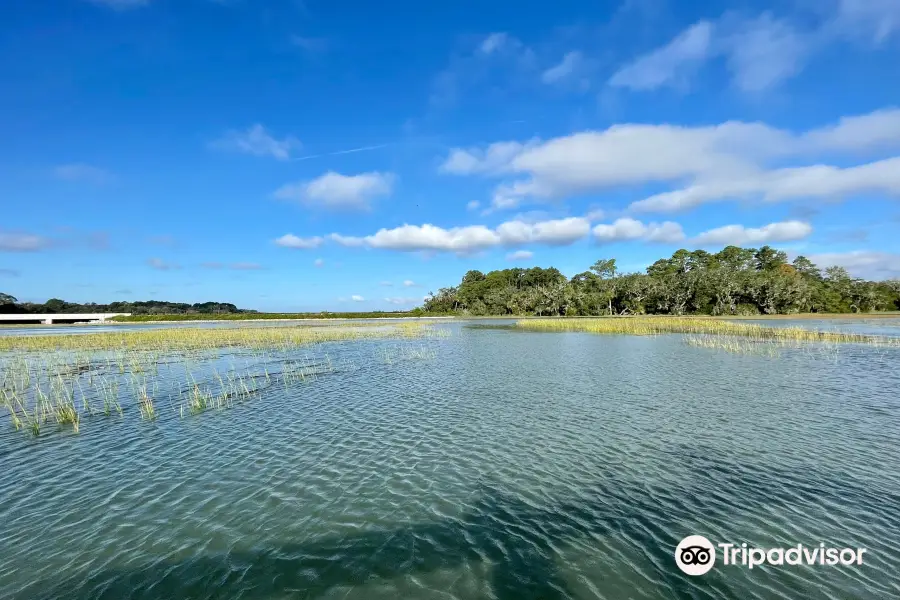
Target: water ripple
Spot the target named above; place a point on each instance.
(513, 465)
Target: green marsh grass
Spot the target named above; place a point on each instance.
(701, 326)
(67, 380)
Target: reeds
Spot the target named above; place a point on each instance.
(194, 338)
(687, 325)
(66, 380)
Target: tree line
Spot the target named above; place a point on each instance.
(10, 305)
(734, 281)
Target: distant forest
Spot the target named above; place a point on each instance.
(734, 281)
(9, 305)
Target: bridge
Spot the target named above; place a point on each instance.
(61, 318)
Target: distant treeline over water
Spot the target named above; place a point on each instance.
(9, 305)
(734, 281)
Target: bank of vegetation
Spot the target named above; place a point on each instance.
(10, 305)
(734, 281)
(255, 316)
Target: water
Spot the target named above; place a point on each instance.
(512, 465)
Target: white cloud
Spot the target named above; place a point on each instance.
(161, 265)
(495, 158)
(557, 232)
(670, 64)
(336, 191)
(763, 52)
(23, 242)
(430, 237)
(875, 19)
(796, 183)
(319, 263)
(738, 235)
(494, 42)
(290, 240)
(357, 298)
(519, 255)
(626, 229)
(473, 205)
(346, 240)
(471, 238)
(730, 159)
(875, 130)
(564, 69)
(82, 172)
(386, 283)
(256, 141)
(409, 283)
(868, 264)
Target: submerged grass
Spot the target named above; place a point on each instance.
(64, 380)
(704, 326)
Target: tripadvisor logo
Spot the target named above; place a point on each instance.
(696, 555)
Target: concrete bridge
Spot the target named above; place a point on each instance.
(61, 318)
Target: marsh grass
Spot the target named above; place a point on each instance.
(702, 326)
(182, 339)
(67, 380)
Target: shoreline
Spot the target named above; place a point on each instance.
(799, 316)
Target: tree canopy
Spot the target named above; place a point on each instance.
(733, 281)
(9, 305)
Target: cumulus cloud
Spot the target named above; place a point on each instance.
(729, 160)
(318, 263)
(83, 173)
(520, 255)
(626, 229)
(669, 64)
(290, 240)
(471, 238)
(796, 183)
(23, 242)
(410, 283)
(258, 142)
(558, 232)
(738, 235)
(868, 264)
(336, 191)
(357, 298)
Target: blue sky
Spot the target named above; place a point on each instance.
(307, 155)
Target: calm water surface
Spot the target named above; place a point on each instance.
(510, 465)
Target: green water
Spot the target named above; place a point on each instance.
(505, 465)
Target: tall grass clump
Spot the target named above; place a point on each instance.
(700, 326)
(188, 338)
